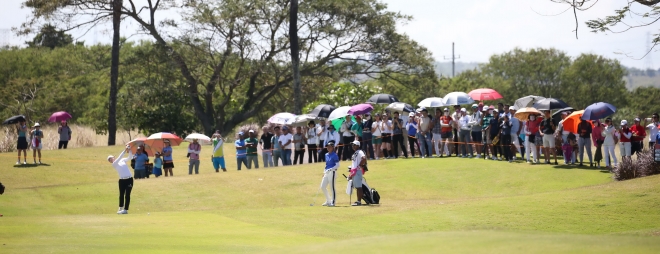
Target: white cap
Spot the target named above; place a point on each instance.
(637, 119)
(512, 108)
(463, 110)
(251, 131)
(110, 157)
(357, 143)
(624, 122)
(446, 109)
(475, 105)
(485, 108)
(411, 114)
(36, 125)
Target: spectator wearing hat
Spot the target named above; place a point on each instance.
(299, 146)
(167, 158)
(397, 138)
(485, 134)
(377, 135)
(625, 136)
(241, 151)
(347, 137)
(465, 134)
(516, 128)
(653, 129)
(332, 135)
(436, 129)
(251, 144)
(531, 129)
(455, 128)
(277, 148)
(141, 159)
(312, 140)
(639, 133)
(359, 160)
(286, 142)
(387, 136)
(424, 133)
(494, 130)
(36, 137)
(411, 129)
(158, 165)
(367, 137)
(322, 132)
(218, 154)
(266, 143)
(475, 122)
(609, 143)
(584, 130)
(65, 135)
(505, 137)
(330, 174)
(194, 149)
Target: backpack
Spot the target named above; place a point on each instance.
(375, 196)
(2, 189)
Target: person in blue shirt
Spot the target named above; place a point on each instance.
(241, 151)
(158, 165)
(140, 159)
(330, 173)
(168, 164)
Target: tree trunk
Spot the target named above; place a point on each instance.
(295, 57)
(114, 72)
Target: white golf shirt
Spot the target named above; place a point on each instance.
(653, 131)
(286, 138)
(120, 165)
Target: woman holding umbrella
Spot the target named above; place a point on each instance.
(21, 128)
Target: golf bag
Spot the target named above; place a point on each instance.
(369, 195)
(2, 189)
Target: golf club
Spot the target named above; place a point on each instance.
(315, 196)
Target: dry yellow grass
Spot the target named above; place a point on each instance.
(82, 136)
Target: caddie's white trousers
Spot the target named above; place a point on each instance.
(329, 178)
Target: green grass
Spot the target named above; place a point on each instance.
(428, 205)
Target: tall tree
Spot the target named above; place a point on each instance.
(114, 72)
(295, 57)
(49, 36)
(233, 54)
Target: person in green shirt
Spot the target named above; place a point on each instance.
(218, 156)
(251, 143)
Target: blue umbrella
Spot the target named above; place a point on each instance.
(598, 110)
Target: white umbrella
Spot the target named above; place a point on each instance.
(303, 120)
(400, 107)
(339, 113)
(432, 102)
(201, 138)
(282, 118)
(457, 98)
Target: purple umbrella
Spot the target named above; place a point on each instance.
(59, 116)
(598, 110)
(360, 109)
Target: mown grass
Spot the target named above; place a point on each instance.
(428, 205)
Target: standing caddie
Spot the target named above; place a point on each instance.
(330, 174)
(359, 160)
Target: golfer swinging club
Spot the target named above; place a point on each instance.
(331, 165)
(356, 171)
(125, 179)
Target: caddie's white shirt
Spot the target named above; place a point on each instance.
(286, 138)
(653, 131)
(120, 165)
(357, 159)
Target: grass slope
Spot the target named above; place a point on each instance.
(429, 205)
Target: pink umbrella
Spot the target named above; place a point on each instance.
(360, 109)
(484, 94)
(59, 116)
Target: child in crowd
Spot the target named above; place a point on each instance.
(158, 164)
(572, 141)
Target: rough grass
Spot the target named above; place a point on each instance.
(428, 205)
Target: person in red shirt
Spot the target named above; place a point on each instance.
(446, 123)
(625, 136)
(638, 135)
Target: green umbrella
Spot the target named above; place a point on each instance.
(339, 121)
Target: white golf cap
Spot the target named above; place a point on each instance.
(637, 119)
(512, 108)
(110, 157)
(36, 125)
(251, 131)
(485, 108)
(624, 122)
(411, 114)
(446, 109)
(357, 143)
(463, 110)
(475, 105)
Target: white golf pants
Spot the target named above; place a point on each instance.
(329, 178)
(608, 152)
(529, 148)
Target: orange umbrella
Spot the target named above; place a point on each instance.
(524, 113)
(571, 122)
(135, 143)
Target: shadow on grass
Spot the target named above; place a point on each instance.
(31, 165)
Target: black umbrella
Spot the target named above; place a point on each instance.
(322, 110)
(550, 104)
(382, 98)
(14, 119)
(558, 112)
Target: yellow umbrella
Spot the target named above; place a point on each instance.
(524, 113)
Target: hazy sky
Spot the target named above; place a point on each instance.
(478, 28)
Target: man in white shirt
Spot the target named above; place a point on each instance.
(125, 179)
(321, 130)
(653, 129)
(286, 142)
(465, 133)
(348, 137)
(455, 126)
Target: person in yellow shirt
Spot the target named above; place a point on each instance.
(218, 156)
